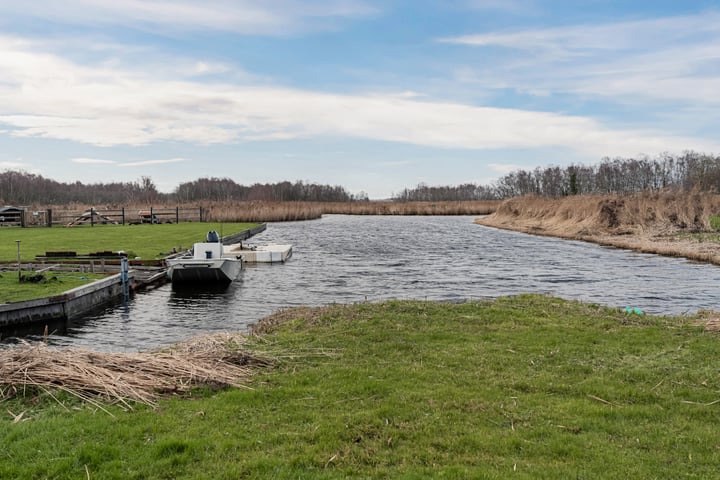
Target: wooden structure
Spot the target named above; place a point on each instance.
(12, 216)
(92, 217)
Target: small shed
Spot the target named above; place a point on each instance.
(12, 216)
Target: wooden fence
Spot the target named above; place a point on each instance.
(121, 216)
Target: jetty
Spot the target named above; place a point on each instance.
(125, 277)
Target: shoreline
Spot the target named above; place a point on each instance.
(665, 241)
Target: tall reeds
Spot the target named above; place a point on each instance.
(651, 222)
(273, 211)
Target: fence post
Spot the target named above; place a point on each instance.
(122, 212)
(49, 217)
(92, 217)
(152, 216)
(177, 214)
(201, 213)
(22, 217)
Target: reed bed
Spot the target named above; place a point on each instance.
(263, 211)
(667, 223)
(479, 207)
(216, 360)
(258, 211)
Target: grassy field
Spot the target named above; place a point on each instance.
(11, 290)
(145, 241)
(525, 387)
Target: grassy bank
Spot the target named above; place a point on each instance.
(11, 290)
(666, 223)
(523, 387)
(145, 241)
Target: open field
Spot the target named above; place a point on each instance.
(525, 387)
(145, 241)
(665, 223)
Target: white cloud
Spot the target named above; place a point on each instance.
(98, 161)
(503, 168)
(143, 163)
(671, 59)
(272, 17)
(46, 96)
(17, 165)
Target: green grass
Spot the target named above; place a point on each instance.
(715, 222)
(145, 241)
(11, 290)
(525, 387)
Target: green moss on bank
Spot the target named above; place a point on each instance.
(522, 387)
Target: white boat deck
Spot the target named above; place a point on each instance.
(258, 253)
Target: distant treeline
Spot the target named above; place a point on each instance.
(689, 171)
(225, 189)
(20, 188)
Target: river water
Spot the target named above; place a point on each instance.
(346, 259)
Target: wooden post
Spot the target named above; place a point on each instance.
(92, 217)
(201, 213)
(152, 216)
(177, 214)
(49, 217)
(122, 212)
(22, 217)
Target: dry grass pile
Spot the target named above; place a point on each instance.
(216, 360)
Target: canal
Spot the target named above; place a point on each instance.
(346, 259)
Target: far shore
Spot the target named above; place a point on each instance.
(668, 224)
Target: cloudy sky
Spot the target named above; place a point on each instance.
(372, 95)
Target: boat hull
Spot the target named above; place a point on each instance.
(197, 271)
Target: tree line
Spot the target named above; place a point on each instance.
(21, 188)
(688, 171)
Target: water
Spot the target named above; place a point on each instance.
(346, 259)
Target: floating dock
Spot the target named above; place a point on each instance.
(260, 253)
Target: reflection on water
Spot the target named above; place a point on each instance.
(346, 259)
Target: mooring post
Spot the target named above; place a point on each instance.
(18, 250)
(124, 277)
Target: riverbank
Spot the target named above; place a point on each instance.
(528, 387)
(665, 223)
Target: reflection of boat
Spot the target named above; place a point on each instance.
(260, 253)
(207, 265)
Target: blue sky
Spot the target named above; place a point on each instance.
(375, 96)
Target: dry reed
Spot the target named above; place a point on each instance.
(216, 360)
(648, 222)
(276, 211)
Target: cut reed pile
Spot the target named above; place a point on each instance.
(216, 360)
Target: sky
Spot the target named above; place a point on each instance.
(375, 96)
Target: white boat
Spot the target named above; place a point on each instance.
(207, 265)
(270, 253)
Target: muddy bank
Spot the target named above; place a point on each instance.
(675, 224)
